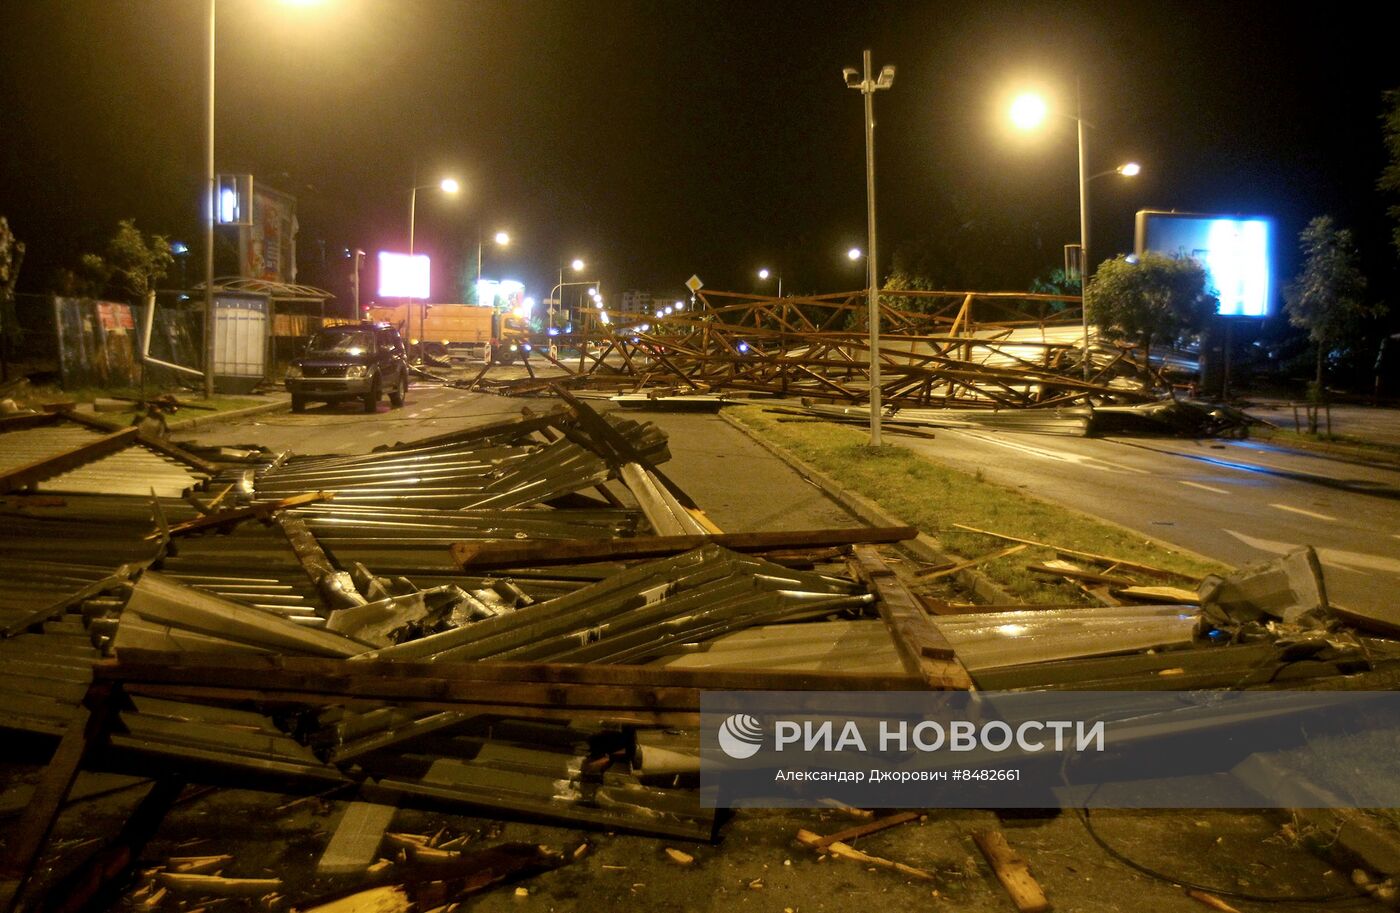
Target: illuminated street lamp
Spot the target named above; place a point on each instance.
(577, 266)
(868, 84)
(211, 193)
(1028, 112)
(854, 254)
(501, 238)
(765, 273)
(446, 185)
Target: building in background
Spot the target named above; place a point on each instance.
(636, 302)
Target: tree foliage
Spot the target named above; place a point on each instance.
(1328, 297)
(1151, 297)
(11, 258)
(1389, 182)
(131, 265)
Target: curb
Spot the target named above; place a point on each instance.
(924, 547)
(200, 421)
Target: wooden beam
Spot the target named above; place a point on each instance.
(1012, 871)
(922, 648)
(28, 839)
(484, 555)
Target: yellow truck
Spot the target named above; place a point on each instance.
(462, 330)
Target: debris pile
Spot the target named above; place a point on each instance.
(962, 350)
(519, 618)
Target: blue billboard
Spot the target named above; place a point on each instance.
(1233, 249)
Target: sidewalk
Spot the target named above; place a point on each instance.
(1380, 424)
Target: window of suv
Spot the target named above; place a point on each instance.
(331, 343)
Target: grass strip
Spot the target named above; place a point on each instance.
(933, 498)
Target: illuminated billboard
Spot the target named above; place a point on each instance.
(1233, 249)
(403, 275)
(505, 295)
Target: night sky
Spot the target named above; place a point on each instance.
(660, 139)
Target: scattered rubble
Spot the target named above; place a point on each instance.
(519, 618)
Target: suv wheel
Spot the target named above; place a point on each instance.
(372, 397)
(399, 393)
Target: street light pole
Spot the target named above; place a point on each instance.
(211, 203)
(868, 85)
(1083, 225)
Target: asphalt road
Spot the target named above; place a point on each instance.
(1238, 502)
(1235, 501)
(739, 485)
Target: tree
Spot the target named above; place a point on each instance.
(132, 263)
(1327, 298)
(1151, 297)
(1389, 182)
(11, 258)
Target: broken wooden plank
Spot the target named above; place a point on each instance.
(1065, 569)
(1087, 556)
(1012, 871)
(843, 851)
(489, 555)
(355, 842)
(261, 511)
(870, 827)
(22, 849)
(922, 648)
(217, 885)
(936, 573)
(1159, 595)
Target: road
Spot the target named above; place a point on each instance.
(739, 485)
(1235, 501)
(1238, 502)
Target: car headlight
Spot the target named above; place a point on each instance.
(293, 372)
(355, 372)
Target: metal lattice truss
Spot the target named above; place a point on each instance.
(966, 349)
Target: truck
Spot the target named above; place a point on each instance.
(461, 330)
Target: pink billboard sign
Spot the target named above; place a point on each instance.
(403, 275)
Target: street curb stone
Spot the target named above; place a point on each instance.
(924, 547)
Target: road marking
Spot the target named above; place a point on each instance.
(1059, 456)
(1359, 562)
(1306, 513)
(1219, 491)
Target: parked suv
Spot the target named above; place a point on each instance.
(360, 361)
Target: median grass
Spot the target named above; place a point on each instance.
(192, 404)
(935, 498)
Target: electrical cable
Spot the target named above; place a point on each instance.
(1083, 809)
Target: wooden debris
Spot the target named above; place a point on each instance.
(197, 865)
(389, 898)
(356, 840)
(922, 648)
(1012, 871)
(488, 555)
(678, 857)
(262, 511)
(807, 838)
(217, 885)
(936, 573)
(872, 827)
(1159, 594)
(1074, 572)
(1147, 569)
(1210, 900)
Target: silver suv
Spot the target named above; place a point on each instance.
(357, 361)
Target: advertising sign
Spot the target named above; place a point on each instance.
(1233, 249)
(403, 275)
